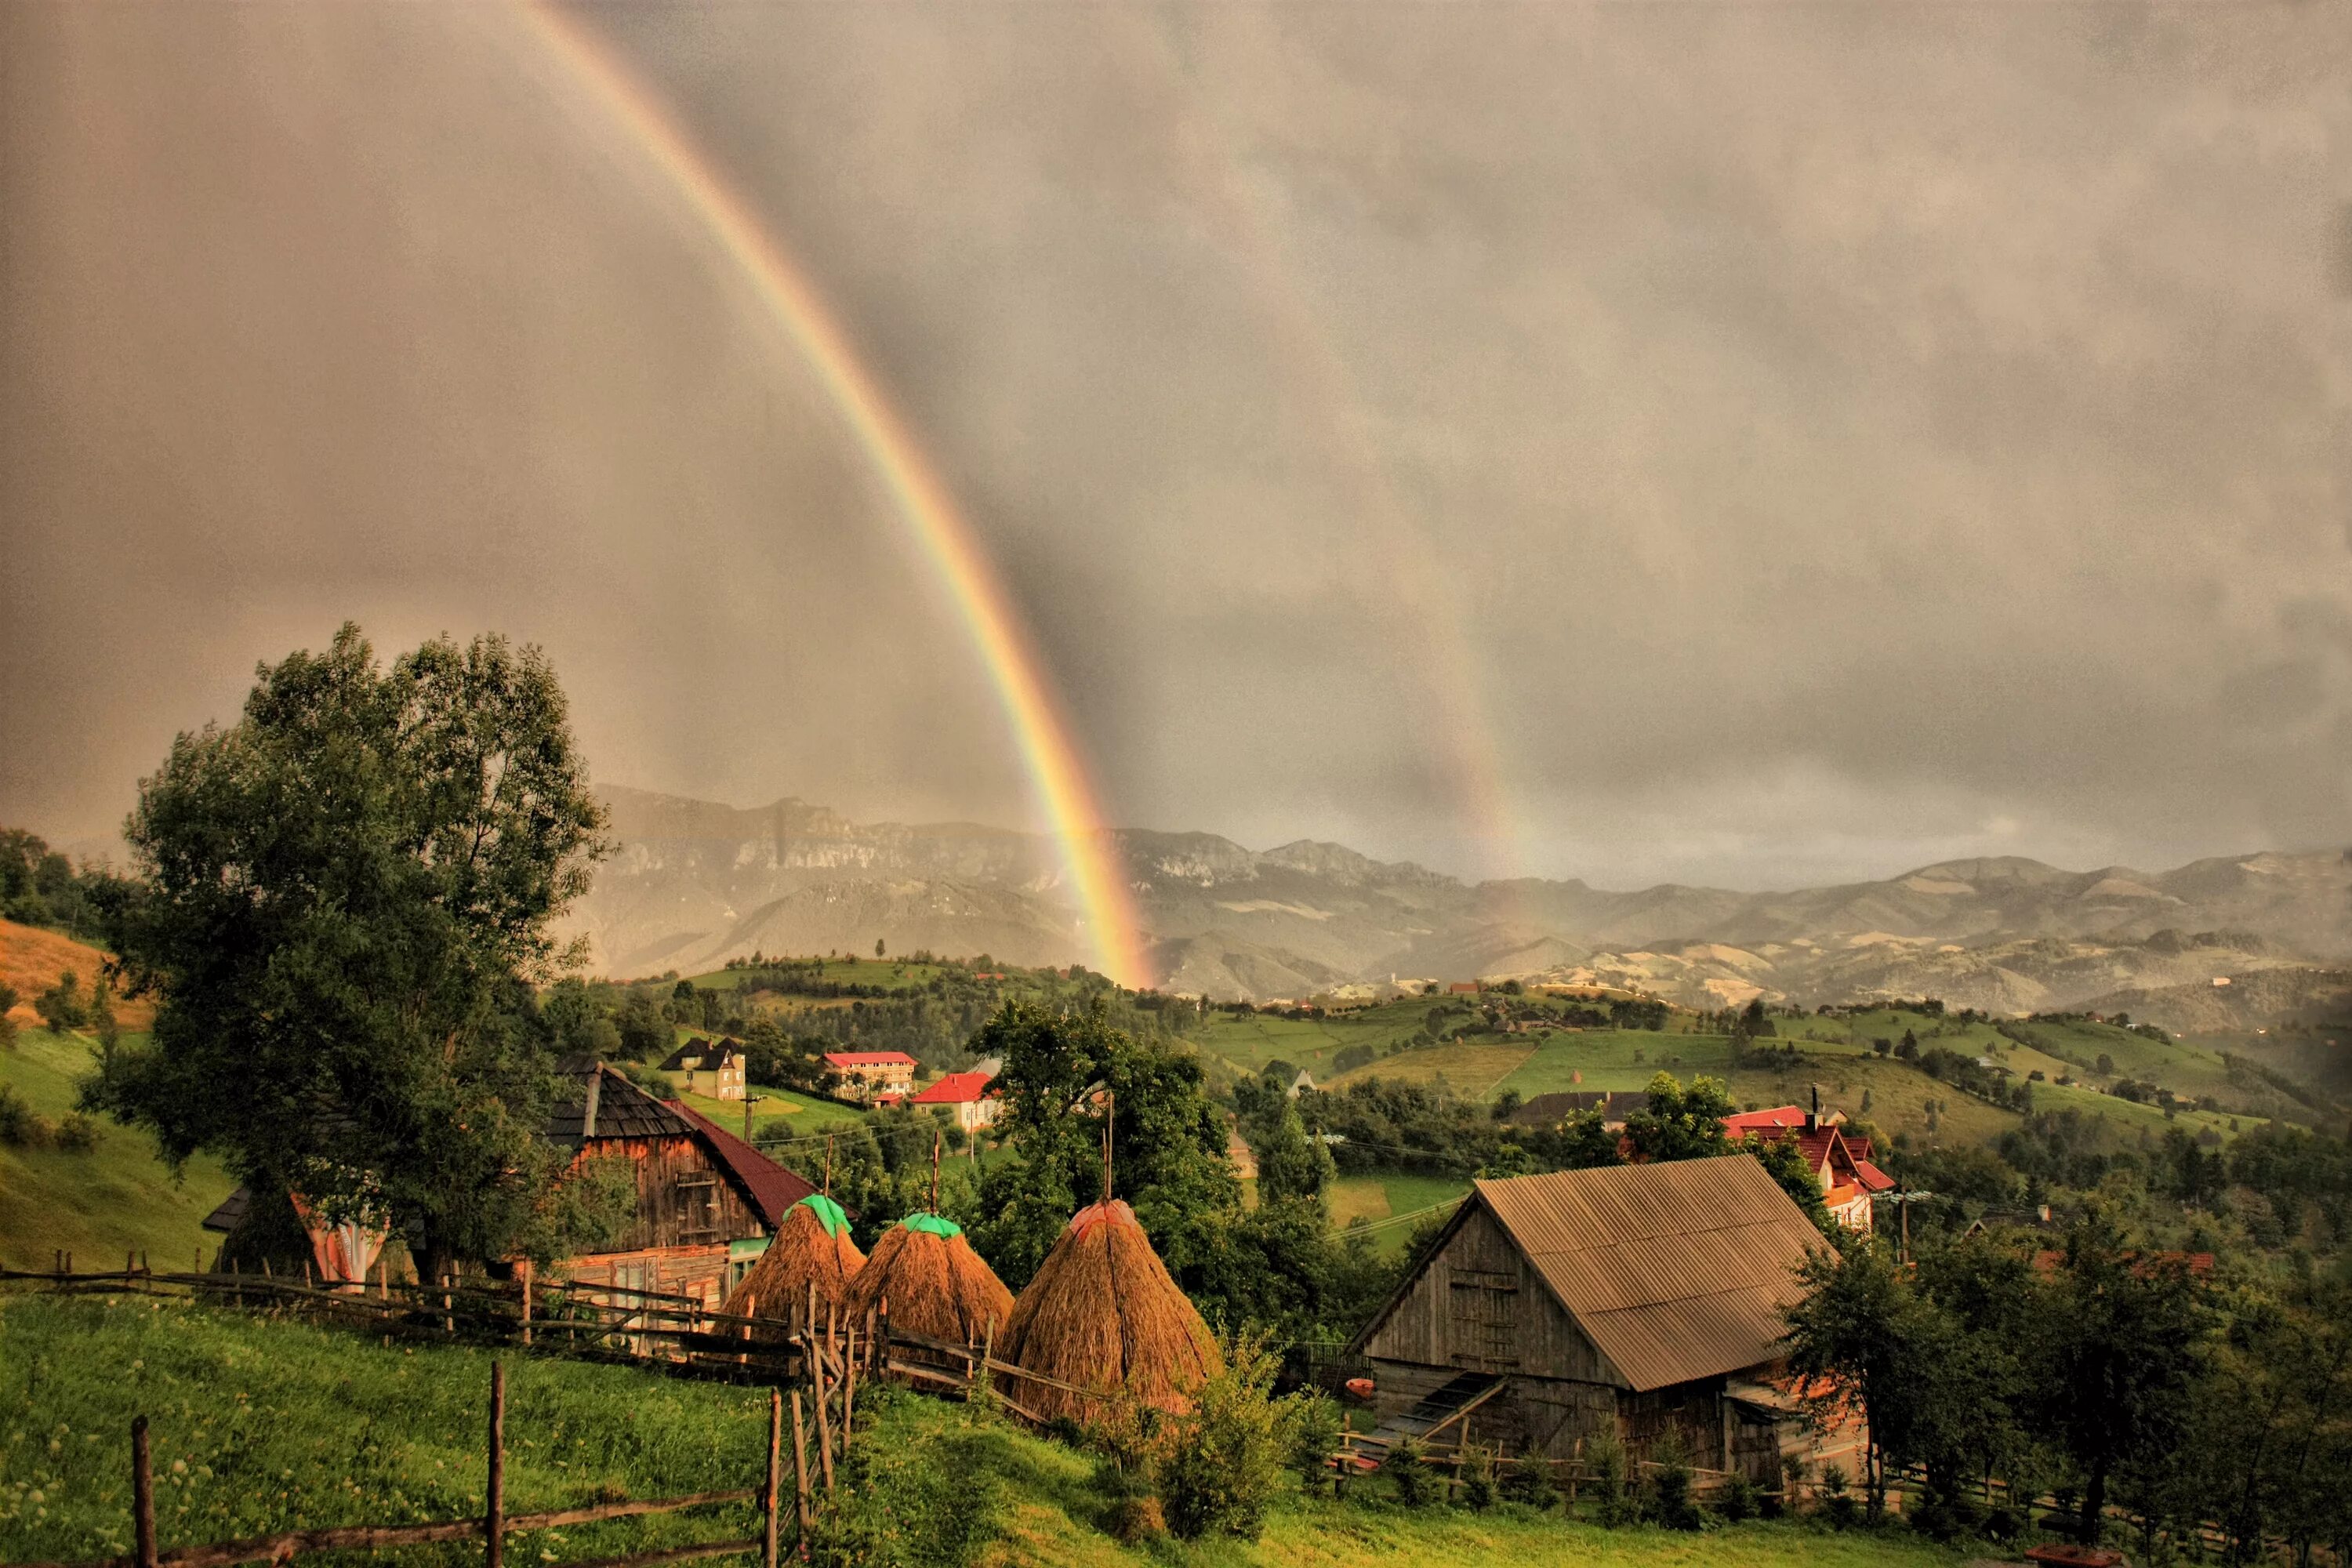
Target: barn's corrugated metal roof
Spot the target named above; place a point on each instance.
(1674, 1271)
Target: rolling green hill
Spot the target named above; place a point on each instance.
(98, 1202)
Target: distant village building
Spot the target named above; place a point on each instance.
(1850, 1181)
(1462, 988)
(878, 1076)
(709, 1067)
(1628, 1301)
(973, 1096)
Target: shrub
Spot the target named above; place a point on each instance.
(1738, 1499)
(1316, 1433)
(1529, 1482)
(1478, 1486)
(1670, 1485)
(1414, 1483)
(1224, 1463)
(18, 1125)
(1836, 1502)
(1604, 1457)
(78, 1132)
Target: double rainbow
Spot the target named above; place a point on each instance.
(1057, 770)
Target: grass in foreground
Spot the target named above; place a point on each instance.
(257, 1425)
(261, 1425)
(100, 1202)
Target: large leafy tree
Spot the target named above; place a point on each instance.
(344, 898)
(1873, 1346)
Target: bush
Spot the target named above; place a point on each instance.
(1837, 1504)
(79, 1133)
(1942, 1516)
(1414, 1484)
(1223, 1462)
(1612, 1505)
(18, 1126)
(1478, 1486)
(1738, 1499)
(1670, 1485)
(1316, 1433)
(1529, 1482)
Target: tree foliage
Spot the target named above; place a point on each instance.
(344, 896)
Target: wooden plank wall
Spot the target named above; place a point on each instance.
(683, 1198)
(1436, 1322)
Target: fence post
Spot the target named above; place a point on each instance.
(493, 1526)
(526, 1305)
(824, 1426)
(775, 1475)
(143, 1494)
(800, 1473)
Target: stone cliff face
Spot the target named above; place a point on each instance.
(696, 883)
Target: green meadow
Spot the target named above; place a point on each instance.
(98, 1202)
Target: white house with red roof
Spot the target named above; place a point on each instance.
(880, 1076)
(1841, 1163)
(971, 1095)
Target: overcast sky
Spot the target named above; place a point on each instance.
(1757, 444)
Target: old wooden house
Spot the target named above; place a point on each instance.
(707, 1202)
(1630, 1301)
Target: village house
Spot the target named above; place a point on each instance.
(1841, 1163)
(706, 1202)
(882, 1076)
(970, 1095)
(1630, 1302)
(712, 1067)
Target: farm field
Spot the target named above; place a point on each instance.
(1616, 1060)
(775, 1112)
(1386, 1195)
(1250, 1042)
(1477, 1067)
(100, 1202)
(31, 960)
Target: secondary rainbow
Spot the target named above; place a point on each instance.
(1057, 770)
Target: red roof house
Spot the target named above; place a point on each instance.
(972, 1095)
(1845, 1190)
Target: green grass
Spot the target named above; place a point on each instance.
(886, 972)
(775, 1112)
(1477, 1067)
(1386, 1195)
(99, 1203)
(1616, 1060)
(1252, 1041)
(257, 1425)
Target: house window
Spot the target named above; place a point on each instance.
(1485, 1311)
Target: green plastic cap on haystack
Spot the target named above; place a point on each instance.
(828, 1213)
(933, 1225)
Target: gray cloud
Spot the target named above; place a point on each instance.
(1765, 444)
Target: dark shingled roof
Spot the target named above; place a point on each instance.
(623, 1110)
(231, 1209)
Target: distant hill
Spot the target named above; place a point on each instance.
(697, 883)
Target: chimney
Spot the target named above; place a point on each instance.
(1813, 1117)
(588, 1112)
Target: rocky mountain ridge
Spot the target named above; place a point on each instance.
(694, 883)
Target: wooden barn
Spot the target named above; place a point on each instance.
(707, 1201)
(1633, 1299)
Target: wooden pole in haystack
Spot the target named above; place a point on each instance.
(143, 1494)
(828, 1166)
(774, 1499)
(823, 1427)
(493, 1521)
(936, 1139)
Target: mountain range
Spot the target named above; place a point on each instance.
(693, 884)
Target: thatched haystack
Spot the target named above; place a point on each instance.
(811, 1247)
(1103, 1312)
(935, 1283)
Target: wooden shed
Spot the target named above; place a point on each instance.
(706, 1200)
(1633, 1299)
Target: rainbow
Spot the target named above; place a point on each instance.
(1058, 770)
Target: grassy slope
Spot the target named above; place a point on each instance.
(1381, 1196)
(887, 973)
(280, 1424)
(97, 1205)
(31, 960)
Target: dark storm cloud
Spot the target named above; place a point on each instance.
(1794, 442)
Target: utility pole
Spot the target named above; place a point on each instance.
(1904, 1202)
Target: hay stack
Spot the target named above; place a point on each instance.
(1104, 1313)
(811, 1248)
(936, 1284)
